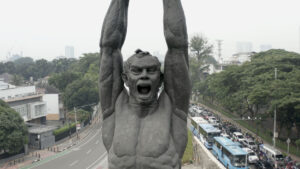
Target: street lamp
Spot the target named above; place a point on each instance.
(274, 132)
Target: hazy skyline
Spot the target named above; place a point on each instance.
(42, 29)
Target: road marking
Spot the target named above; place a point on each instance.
(95, 162)
(97, 131)
(88, 152)
(97, 141)
(75, 162)
(75, 149)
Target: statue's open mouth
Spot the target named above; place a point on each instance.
(144, 89)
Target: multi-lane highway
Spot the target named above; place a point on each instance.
(89, 153)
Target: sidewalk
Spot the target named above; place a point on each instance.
(38, 155)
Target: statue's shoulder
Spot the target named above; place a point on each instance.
(122, 98)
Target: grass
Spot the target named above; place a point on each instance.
(188, 153)
(263, 134)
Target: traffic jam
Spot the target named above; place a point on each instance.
(233, 148)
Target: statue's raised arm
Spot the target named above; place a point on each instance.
(111, 64)
(176, 77)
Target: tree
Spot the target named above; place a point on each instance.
(201, 55)
(13, 131)
(23, 60)
(200, 48)
(17, 80)
(81, 92)
(62, 80)
(251, 89)
(297, 142)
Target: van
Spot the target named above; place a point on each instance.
(274, 155)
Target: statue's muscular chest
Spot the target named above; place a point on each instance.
(141, 135)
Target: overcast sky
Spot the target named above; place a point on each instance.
(42, 28)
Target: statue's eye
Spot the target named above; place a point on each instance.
(136, 70)
(151, 70)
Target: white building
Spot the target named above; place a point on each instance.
(52, 106)
(69, 52)
(244, 47)
(31, 105)
(242, 57)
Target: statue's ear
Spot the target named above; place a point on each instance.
(125, 78)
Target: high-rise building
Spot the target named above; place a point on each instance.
(244, 47)
(265, 47)
(69, 52)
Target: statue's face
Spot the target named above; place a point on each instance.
(143, 79)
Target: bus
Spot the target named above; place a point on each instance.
(195, 121)
(229, 153)
(207, 133)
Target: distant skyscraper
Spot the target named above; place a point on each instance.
(244, 47)
(265, 47)
(69, 52)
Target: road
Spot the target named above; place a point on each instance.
(89, 153)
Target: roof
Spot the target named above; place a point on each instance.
(231, 146)
(209, 128)
(199, 120)
(22, 98)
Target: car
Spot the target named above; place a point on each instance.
(238, 136)
(260, 164)
(252, 157)
(212, 119)
(250, 143)
(225, 135)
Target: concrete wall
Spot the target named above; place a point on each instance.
(52, 106)
(204, 159)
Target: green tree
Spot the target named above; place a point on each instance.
(251, 89)
(84, 63)
(201, 56)
(23, 60)
(297, 142)
(81, 92)
(13, 131)
(17, 80)
(62, 80)
(201, 49)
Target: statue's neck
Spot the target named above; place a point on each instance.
(143, 109)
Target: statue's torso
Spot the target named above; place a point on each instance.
(143, 142)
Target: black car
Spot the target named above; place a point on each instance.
(263, 165)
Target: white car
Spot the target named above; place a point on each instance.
(252, 157)
(250, 143)
(238, 136)
(212, 120)
(225, 135)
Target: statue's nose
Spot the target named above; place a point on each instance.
(144, 74)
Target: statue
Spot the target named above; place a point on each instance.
(141, 128)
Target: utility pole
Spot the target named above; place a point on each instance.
(220, 53)
(274, 132)
(76, 121)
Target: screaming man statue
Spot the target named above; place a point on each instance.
(142, 127)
